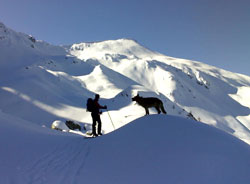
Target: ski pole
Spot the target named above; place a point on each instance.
(111, 119)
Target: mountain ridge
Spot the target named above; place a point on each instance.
(51, 81)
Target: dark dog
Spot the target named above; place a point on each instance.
(150, 102)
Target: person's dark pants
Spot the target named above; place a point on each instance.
(96, 118)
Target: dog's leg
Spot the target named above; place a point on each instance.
(158, 109)
(147, 112)
(162, 109)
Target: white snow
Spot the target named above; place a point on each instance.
(59, 125)
(152, 149)
(41, 83)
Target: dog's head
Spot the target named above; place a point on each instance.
(135, 98)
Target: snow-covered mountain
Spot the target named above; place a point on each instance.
(55, 81)
(40, 83)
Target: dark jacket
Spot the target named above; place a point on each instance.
(97, 107)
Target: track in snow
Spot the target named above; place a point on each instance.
(69, 160)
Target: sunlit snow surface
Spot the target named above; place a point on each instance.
(41, 83)
(152, 149)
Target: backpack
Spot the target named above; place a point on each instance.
(90, 105)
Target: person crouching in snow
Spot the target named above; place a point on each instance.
(95, 114)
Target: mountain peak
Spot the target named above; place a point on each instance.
(123, 47)
(206, 93)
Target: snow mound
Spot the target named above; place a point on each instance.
(152, 149)
(168, 149)
(59, 125)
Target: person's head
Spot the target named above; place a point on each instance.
(97, 96)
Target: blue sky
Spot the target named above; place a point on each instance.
(216, 32)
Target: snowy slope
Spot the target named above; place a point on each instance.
(40, 83)
(152, 149)
(214, 96)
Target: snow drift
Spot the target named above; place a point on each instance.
(152, 149)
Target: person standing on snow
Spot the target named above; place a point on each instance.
(95, 114)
